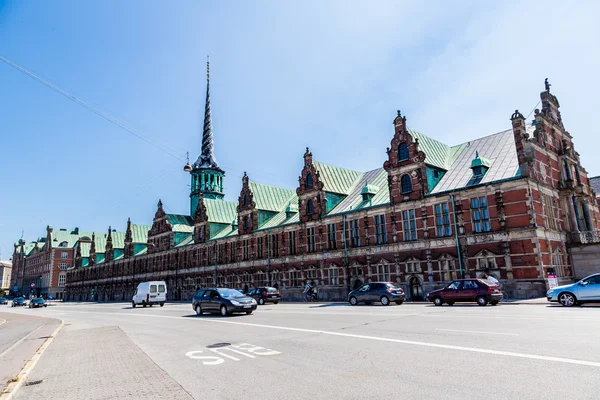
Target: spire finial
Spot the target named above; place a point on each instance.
(207, 158)
(207, 68)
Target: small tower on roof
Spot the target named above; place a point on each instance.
(207, 177)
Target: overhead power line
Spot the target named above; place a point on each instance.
(173, 153)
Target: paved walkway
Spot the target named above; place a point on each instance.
(101, 363)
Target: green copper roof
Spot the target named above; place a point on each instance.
(220, 211)
(139, 233)
(270, 198)
(480, 161)
(369, 189)
(336, 179)
(377, 179)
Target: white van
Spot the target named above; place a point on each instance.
(149, 293)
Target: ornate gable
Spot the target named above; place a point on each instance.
(311, 198)
(201, 224)
(128, 250)
(247, 212)
(157, 240)
(407, 177)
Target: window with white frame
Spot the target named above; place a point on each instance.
(410, 225)
(383, 272)
(64, 254)
(275, 277)
(294, 281)
(549, 215)
(447, 268)
(486, 260)
(331, 240)
(413, 266)
(442, 220)
(354, 233)
(333, 274)
(310, 240)
(558, 263)
(311, 274)
(481, 216)
(62, 279)
(380, 229)
(63, 266)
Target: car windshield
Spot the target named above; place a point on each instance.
(230, 293)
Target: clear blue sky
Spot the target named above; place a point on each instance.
(284, 75)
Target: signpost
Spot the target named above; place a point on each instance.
(552, 280)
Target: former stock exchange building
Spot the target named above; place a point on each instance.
(515, 202)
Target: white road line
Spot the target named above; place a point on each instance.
(374, 338)
(2, 321)
(19, 341)
(477, 332)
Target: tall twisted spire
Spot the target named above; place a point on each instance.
(207, 158)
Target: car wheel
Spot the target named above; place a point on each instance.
(494, 302)
(223, 310)
(399, 302)
(438, 301)
(384, 301)
(198, 309)
(261, 301)
(482, 301)
(162, 304)
(450, 303)
(133, 304)
(248, 312)
(353, 301)
(275, 302)
(144, 304)
(567, 299)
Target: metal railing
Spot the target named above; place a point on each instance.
(585, 237)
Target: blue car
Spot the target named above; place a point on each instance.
(586, 290)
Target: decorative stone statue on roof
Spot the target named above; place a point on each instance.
(547, 85)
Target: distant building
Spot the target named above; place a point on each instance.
(5, 273)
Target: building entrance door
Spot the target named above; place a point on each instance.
(416, 289)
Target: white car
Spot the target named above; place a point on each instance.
(149, 293)
(586, 290)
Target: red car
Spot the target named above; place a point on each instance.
(467, 290)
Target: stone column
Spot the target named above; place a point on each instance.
(429, 266)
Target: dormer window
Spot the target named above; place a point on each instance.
(479, 166)
(310, 208)
(406, 184)
(402, 152)
(309, 181)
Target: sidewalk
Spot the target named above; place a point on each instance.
(101, 363)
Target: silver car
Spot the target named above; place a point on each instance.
(586, 290)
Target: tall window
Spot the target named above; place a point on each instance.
(245, 200)
(245, 243)
(406, 184)
(402, 152)
(442, 220)
(310, 207)
(62, 279)
(292, 242)
(567, 170)
(447, 269)
(220, 252)
(274, 245)
(577, 176)
(309, 181)
(549, 215)
(310, 240)
(354, 233)
(311, 274)
(410, 225)
(383, 272)
(331, 242)
(333, 275)
(558, 264)
(481, 217)
(260, 278)
(245, 223)
(259, 247)
(294, 281)
(380, 230)
(232, 252)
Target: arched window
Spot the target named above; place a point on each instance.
(406, 184)
(309, 181)
(245, 200)
(402, 152)
(310, 207)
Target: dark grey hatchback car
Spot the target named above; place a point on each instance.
(222, 301)
(382, 292)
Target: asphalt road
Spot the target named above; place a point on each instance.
(320, 351)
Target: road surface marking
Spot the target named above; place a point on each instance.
(235, 348)
(478, 332)
(2, 321)
(19, 341)
(366, 337)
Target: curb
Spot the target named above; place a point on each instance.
(13, 387)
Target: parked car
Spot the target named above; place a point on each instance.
(222, 301)
(265, 294)
(149, 293)
(3, 300)
(586, 290)
(19, 301)
(37, 302)
(382, 292)
(467, 290)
